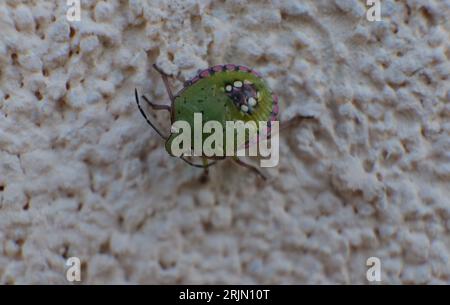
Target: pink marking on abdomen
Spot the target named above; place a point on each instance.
(256, 73)
(243, 68)
(275, 98)
(217, 68)
(275, 109)
(230, 67)
(195, 79)
(204, 73)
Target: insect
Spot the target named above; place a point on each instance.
(221, 93)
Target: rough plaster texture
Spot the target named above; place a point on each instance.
(81, 174)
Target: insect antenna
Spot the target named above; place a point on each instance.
(145, 117)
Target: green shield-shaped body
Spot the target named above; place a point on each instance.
(224, 93)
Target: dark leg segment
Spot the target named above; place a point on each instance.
(145, 116)
(156, 106)
(295, 120)
(205, 175)
(166, 82)
(250, 167)
(291, 122)
(198, 165)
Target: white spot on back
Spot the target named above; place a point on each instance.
(237, 84)
(228, 88)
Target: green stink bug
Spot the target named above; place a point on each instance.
(220, 93)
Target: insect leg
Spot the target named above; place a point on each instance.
(205, 175)
(156, 106)
(250, 167)
(197, 165)
(145, 116)
(291, 122)
(166, 83)
(295, 120)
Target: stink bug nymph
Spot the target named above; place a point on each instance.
(220, 93)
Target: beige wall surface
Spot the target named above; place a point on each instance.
(82, 174)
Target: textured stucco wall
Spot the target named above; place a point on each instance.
(81, 174)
